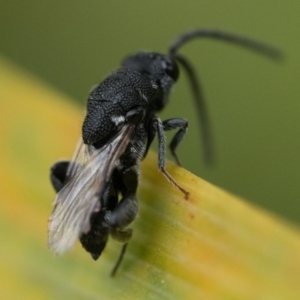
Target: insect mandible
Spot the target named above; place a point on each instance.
(96, 190)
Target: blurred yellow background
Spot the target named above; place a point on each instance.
(253, 102)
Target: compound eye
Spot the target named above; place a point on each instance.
(171, 68)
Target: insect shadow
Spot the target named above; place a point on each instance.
(96, 190)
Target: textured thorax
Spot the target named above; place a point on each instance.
(109, 102)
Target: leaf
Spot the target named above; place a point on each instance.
(211, 246)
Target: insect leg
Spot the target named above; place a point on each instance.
(125, 212)
(158, 125)
(58, 174)
(116, 267)
(127, 209)
(151, 132)
(175, 123)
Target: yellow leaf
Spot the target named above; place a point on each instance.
(212, 246)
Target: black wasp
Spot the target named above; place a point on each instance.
(96, 191)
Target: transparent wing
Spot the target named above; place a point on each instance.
(74, 204)
(79, 159)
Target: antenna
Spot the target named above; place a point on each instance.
(201, 107)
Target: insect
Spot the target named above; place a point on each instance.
(96, 190)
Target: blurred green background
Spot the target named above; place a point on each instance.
(253, 102)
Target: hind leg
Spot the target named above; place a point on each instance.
(126, 210)
(58, 174)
